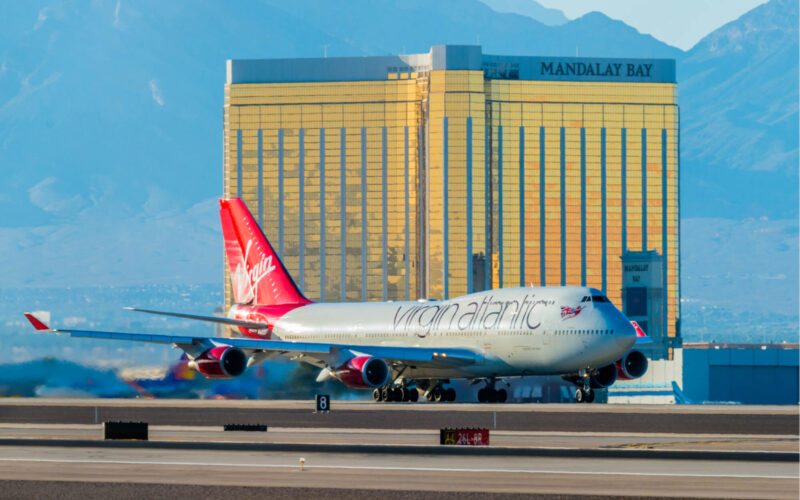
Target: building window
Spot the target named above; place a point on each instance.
(636, 301)
(501, 71)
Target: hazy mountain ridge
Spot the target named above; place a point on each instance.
(111, 118)
(739, 117)
(468, 22)
(534, 10)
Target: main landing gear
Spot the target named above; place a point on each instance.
(400, 394)
(438, 394)
(432, 390)
(491, 395)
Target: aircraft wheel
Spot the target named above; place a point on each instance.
(413, 395)
(502, 396)
(590, 396)
(386, 394)
(492, 396)
(403, 394)
(429, 396)
(482, 395)
(397, 395)
(438, 394)
(580, 396)
(450, 394)
(377, 395)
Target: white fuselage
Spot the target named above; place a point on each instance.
(514, 331)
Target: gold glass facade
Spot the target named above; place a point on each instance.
(330, 171)
(587, 170)
(434, 180)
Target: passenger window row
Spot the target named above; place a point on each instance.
(584, 332)
(451, 334)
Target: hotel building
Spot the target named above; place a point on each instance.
(440, 174)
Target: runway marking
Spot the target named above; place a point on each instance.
(388, 468)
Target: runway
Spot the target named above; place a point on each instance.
(374, 471)
(669, 419)
(750, 443)
(392, 451)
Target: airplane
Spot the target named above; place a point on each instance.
(683, 399)
(53, 378)
(401, 350)
(182, 381)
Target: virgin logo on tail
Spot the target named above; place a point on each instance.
(244, 292)
(253, 274)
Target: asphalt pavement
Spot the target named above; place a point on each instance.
(533, 417)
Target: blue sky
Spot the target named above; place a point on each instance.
(680, 23)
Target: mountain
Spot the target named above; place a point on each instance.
(467, 22)
(121, 98)
(110, 114)
(530, 8)
(739, 117)
(738, 93)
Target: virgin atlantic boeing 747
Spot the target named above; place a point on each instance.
(403, 349)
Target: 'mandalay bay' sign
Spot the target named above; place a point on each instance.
(584, 68)
(596, 69)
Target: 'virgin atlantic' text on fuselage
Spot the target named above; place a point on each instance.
(487, 314)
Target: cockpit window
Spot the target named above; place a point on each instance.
(586, 299)
(599, 298)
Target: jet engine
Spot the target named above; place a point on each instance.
(632, 365)
(221, 362)
(363, 372)
(605, 377)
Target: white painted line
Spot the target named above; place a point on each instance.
(411, 469)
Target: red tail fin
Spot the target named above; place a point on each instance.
(257, 274)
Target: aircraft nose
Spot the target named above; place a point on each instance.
(624, 336)
(626, 328)
(624, 333)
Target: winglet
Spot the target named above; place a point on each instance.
(36, 322)
(641, 336)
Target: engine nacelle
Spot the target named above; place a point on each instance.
(363, 372)
(632, 365)
(221, 362)
(605, 377)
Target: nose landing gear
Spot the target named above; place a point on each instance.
(584, 395)
(584, 392)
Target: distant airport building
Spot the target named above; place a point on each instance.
(742, 373)
(435, 175)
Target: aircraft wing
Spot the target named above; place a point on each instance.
(329, 354)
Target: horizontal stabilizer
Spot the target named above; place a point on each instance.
(213, 319)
